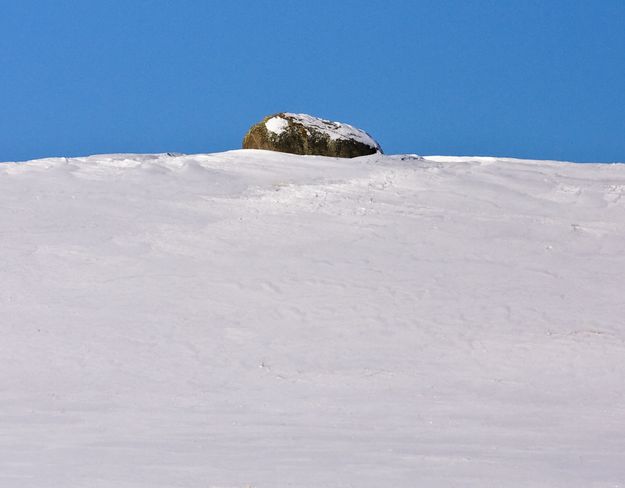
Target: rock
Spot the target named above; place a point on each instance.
(305, 134)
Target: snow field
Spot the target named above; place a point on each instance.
(261, 319)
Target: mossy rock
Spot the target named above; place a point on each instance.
(308, 135)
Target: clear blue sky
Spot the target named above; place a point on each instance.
(535, 79)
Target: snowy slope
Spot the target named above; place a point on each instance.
(267, 320)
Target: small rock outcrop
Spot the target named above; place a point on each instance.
(305, 134)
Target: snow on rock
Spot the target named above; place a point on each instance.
(253, 318)
(307, 135)
(334, 130)
(276, 125)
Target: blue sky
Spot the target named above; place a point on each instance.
(535, 79)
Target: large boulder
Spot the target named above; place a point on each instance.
(305, 134)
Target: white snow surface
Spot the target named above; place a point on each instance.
(259, 319)
(277, 125)
(335, 130)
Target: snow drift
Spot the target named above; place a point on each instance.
(260, 319)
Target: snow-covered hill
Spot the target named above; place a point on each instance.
(260, 319)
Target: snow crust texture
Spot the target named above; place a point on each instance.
(259, 319)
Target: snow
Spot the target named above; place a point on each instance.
(262, 319)
(335, 130)
(277, 125)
